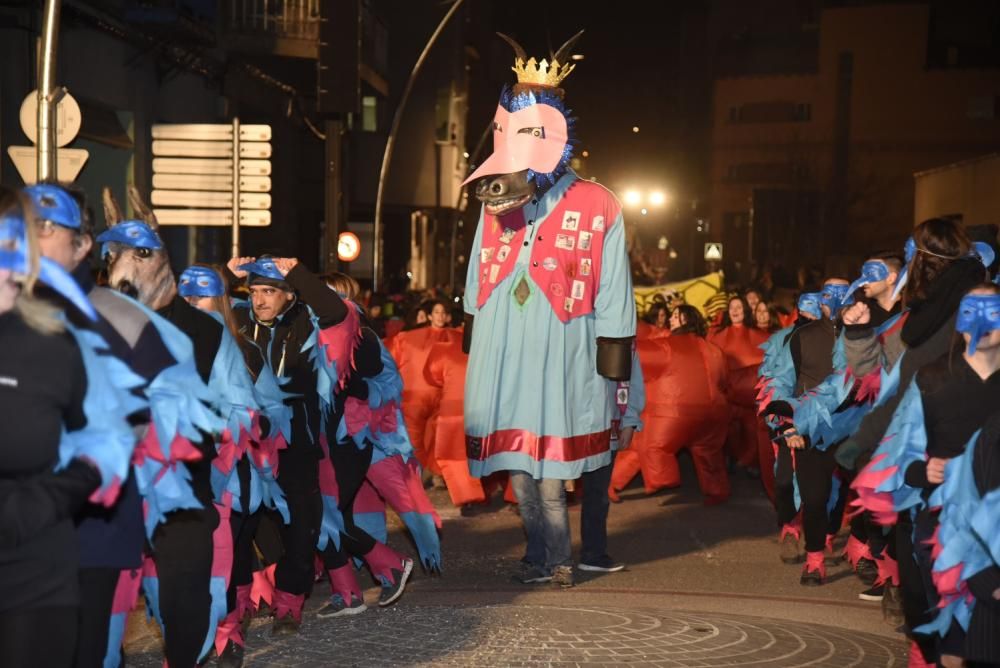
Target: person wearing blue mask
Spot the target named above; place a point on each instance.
(803, 480)
(305, 332)
(941, 409)
(940, 268)
(50, 454)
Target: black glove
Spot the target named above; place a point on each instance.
(614, 358)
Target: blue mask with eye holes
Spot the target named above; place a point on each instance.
(200, 282)
(14, 257)
(810, 302)
(872, 271)
(978, 315)
(833, 297)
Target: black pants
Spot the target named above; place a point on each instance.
(298, 477)
(39, 637)
(97, 595)
(594, 514)
(350, 465)
(183, 552)
(814, 469)
(244, 529)
(784, 486)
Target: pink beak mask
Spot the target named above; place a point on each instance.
(534, 138)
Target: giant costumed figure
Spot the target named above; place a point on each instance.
(550, 313)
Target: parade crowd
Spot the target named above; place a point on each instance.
(224, 440)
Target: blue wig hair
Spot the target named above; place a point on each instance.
(512, 102)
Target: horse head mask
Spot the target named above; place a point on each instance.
(138, 265)
(532, 133)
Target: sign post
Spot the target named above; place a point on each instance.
(212, 175)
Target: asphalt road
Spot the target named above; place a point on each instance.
(704, 587)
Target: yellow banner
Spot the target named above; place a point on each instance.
(704, 293)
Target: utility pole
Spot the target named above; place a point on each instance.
(48, 96)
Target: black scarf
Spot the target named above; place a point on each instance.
(929, 315)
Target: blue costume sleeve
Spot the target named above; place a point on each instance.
(271, 400)
(881, 485)
(180, 405)
(107, 440)
(614, 304)
(776, 375)
(960, 548)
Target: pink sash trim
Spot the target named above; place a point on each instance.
(552, 448)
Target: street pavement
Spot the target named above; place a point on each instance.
(704, 587)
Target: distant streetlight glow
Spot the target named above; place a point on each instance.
(577, 56)
(657, 198)
(643, 212)
(465, 154)
(633, 197)
(586, 154)
(635, 128)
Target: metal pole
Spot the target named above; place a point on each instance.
(236, 188)
(46, 161)
(390, 141)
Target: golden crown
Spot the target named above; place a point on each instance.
(541, 73)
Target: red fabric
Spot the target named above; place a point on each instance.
(367, 500)
(126, 591)
(879, 504)
(445, 370)
(917, 659)
(399, 483)
(686, 407)
(815, 562)
(262, 588)
(420, 399)
(855, 551)
(230, 628)
(344, 581)
(888, 570)
(382, 559)
(555, 448)
(288, 604)
(566, 260)
(340, 341)
(741, 347)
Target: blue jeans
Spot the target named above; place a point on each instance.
(542, 504)
(594, 514)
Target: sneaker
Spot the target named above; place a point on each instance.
(603, 565)
(867, 571)
(232, 656)
(391, 591)
(532, 575)
(337, 607)
(563, 576)
(875, 593)
(285, 626)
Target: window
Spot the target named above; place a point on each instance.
(779, 111)
(369, 113)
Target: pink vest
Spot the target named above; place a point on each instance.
(566, 256)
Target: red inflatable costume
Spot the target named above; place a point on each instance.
(686, 407)
(420, 399)
(741, 347)
(445, 370)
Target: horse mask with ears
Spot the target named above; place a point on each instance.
(138, 265)
(532, 133)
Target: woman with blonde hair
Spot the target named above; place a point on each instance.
(44, 381)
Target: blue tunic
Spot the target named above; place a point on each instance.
(531, 374)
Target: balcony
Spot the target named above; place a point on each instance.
(287, 28)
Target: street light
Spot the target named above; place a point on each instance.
(633, 197)
(657, 198)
